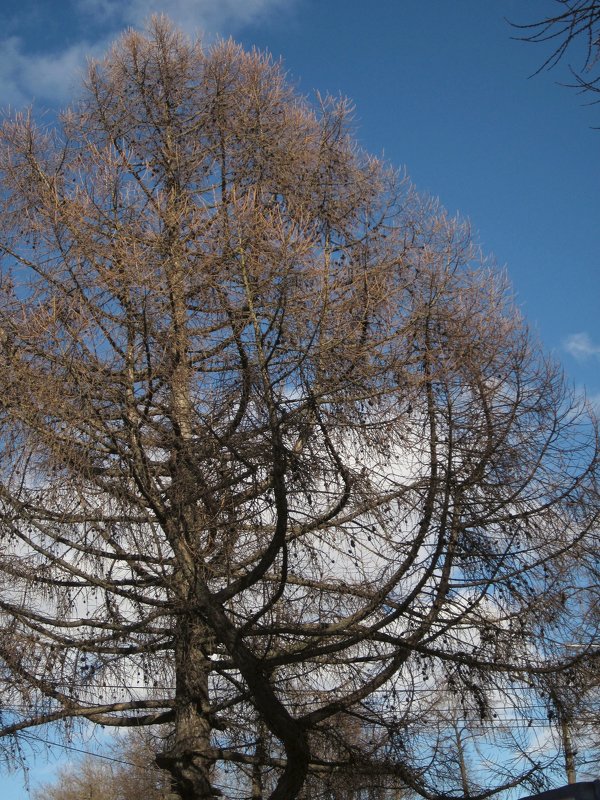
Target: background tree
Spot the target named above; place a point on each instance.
(572, 701)
(279, 456)
(129, 773)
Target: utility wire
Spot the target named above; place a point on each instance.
(28, 735)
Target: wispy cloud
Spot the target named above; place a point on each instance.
(28, 74)
(581, 347)
(28, 77)
(212, 16)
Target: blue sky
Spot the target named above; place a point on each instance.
(439, 87)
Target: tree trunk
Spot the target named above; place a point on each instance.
(568, 749)
(259, 752)
(189, 760)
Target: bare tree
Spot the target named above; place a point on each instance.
(277, 449)
(128, 773)
(576, 22)
(572, 700)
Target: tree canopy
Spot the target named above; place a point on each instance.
(283, 472)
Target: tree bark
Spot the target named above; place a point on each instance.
(189, 758)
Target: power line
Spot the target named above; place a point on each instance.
(28, 735)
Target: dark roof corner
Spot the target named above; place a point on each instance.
(584, 790)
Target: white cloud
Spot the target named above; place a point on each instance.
(27, 75)
(581, 347)
(212, 16)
